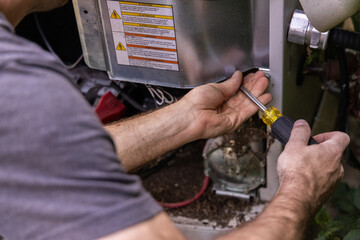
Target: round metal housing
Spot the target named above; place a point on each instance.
(301, 31)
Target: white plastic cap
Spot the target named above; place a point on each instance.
(326, 14)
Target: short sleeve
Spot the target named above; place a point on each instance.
(60, 177)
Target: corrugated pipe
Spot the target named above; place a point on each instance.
(344, 39)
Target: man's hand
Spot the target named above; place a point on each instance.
(312, 170)
(206, 111)
(220, 108)
(307, 175)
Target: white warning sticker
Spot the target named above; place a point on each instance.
(144, 34)
(121, 48)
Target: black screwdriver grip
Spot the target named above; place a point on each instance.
(281, 129)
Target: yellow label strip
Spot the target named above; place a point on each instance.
(146, 4)
(146, 15)
(148, 25)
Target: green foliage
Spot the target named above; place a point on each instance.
(353, 235)
(356, 21)
(315, 56)
(346, 224)
(357, 198)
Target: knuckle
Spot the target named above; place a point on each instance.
(259, 74)
(342, 171)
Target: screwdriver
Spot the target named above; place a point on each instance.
(281, 126)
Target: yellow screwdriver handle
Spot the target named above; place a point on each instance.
(270, 115)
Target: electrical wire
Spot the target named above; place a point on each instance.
(160, 96)
(127, 98)
(132, 102)
(344, 89)
(48, 46)
(187, 202)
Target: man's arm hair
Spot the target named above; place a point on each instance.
(144, 137)
(205, 112)
(285, 217)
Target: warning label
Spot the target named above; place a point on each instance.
(115, 15)
(144, 34)
(121, 47)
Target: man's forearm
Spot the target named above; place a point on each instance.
(285, 217)
(207, 111)
(145, 137)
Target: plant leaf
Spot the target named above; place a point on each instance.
(322, 217)
(357, 198)
(353, 235)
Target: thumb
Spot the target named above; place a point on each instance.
(300, 134)
(231, 86)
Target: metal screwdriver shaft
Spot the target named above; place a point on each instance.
(270, 114)
(281, 126)
(253, 98)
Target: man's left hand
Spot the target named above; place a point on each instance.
(220, 108)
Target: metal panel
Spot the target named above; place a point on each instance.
(292, 100)
(281, 70)
(213, 39)
(89, 25)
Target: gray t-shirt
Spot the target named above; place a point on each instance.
(60, 177)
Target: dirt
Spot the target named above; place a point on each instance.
(182, 178)
(252, 131)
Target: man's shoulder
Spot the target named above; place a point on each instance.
(14, 48)
(4, 23)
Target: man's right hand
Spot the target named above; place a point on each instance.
(307, 174)
(311, 170)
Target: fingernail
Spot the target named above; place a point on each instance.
(300, 122)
